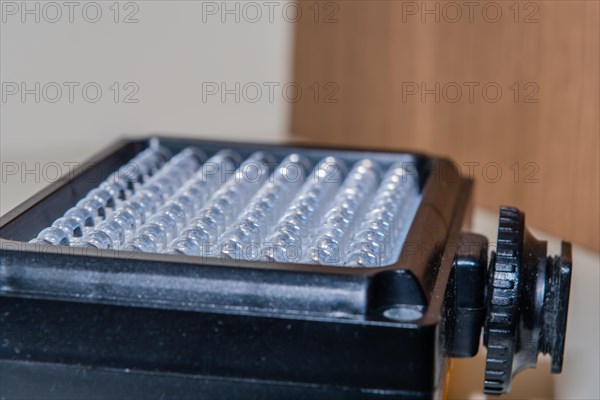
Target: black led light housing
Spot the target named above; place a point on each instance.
(198, 269)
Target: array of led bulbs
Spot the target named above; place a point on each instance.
(330, 213)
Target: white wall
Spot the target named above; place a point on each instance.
(173, 49)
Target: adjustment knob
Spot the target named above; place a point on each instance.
(527, 302)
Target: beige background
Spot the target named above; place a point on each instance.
(169, 53)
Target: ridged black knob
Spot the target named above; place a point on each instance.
(527, 303)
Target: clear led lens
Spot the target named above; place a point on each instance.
(342, 212)
(73, 227)
(54, 236)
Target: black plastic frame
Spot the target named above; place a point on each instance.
(320, 325)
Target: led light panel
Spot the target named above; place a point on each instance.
(296, 209)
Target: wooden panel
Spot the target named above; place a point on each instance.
(543, 137)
